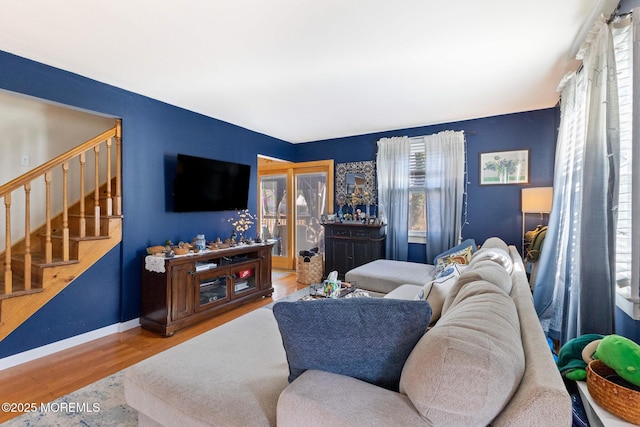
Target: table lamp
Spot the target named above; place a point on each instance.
(535, 200)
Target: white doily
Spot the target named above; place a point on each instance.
(154, 263)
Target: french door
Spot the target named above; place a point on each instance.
(293, 198)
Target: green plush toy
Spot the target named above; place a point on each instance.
(622, 355)
(574, 356)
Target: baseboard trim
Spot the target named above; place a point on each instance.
(46, 350)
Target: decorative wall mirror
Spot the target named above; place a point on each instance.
(356, 183)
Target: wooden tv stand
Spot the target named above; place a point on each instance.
(198, 286)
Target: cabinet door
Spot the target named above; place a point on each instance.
(265, 268)
(211, 289)
(342, 256)
(181, 291)
(244, 279)
(361, 252)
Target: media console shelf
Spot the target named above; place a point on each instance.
(180, 291)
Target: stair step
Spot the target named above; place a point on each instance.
(17, 284)
(78, 238)
(19, 293)
(38, 260)
(93, 216)
(90, 226)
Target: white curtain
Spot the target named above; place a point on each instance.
(574, 289)
(393, 193)
(444, 184)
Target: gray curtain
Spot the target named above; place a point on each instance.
(393, 194)
(574, 290)
(444, 183)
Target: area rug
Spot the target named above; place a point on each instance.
(99, 404)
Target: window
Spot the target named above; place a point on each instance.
(427, 176)
(417, 193)
(627, 269)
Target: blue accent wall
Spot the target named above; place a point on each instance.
(627, 5)
(626, 326)
(153, 133)
(493, 210)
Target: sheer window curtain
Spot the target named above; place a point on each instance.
(574, 291)
(393, 194)
(444, 182)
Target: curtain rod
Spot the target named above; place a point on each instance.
(603, 8)
(616, 15)
(467, 132)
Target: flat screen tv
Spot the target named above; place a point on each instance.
(210, 185)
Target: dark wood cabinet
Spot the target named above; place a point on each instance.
(349, 245)
(180, 291)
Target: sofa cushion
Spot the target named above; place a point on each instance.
(467, 367)
(384, 275)
(496, 255)
(489, 271)
(325, 399)
(365, 338)
(406, 292)
(495, 242)
(436, 291)
(486, 270)
(232, 374)
(460, 254)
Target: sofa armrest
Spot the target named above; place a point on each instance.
(542, 399)
(318, 398)
(408, 292)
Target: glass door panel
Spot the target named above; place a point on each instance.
(244, 279)
(212, 290)
(273, 213)
(311, 203)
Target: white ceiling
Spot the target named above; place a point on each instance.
(305, 70)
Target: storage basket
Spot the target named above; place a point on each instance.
(309, 272)
(620, 401)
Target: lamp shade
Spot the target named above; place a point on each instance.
(537, 199)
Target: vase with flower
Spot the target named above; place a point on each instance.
(341, 202)
(241, 223)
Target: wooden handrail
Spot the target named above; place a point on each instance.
(63, 158)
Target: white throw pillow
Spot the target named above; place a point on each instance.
(437, 290)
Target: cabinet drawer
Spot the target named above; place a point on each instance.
(341, 233)
(351, 233)
(360, 234)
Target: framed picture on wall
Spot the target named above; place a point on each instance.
(504, 167)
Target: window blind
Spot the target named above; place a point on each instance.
(624, 66)
(417, 163)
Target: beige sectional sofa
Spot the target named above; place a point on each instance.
(485, 361)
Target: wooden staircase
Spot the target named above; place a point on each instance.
(49, 257)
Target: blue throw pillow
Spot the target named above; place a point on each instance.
(365, 338)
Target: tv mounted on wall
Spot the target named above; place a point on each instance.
(210, 185)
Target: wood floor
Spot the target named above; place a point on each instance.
(48, 378)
